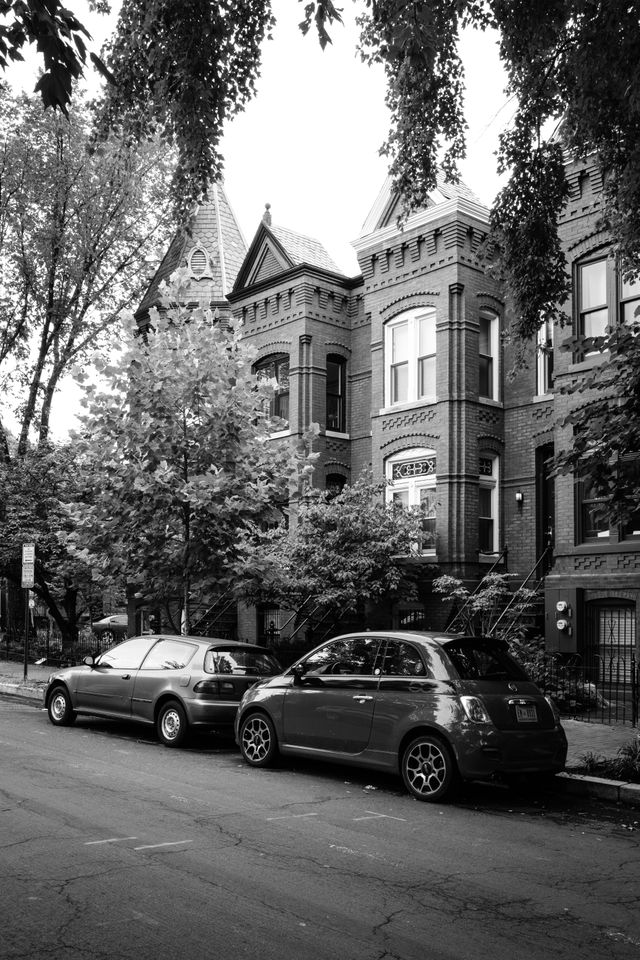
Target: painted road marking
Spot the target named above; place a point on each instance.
(93, 843)
(379, 816)
(154, 846)
(294, 816)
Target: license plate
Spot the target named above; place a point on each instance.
(526, 713)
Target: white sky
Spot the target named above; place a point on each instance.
(308, 143)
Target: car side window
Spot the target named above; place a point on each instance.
(169, 655)
(354, 656)
(404, 660)
(128, 655)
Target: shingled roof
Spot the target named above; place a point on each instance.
(301, 249)
(389, 205)
(275, 249)
(215, 237)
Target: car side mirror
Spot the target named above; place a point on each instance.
(298, 672)
(89, 660)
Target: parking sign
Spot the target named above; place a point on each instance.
(28, 565)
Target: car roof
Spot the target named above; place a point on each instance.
(440, 637)
(208, 641)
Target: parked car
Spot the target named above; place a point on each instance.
(111, 629)
(436, 708)
(174, 683)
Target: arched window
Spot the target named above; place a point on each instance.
(276, 369)
(334, 484)
(410, 357)
(412, 483)
(336, 394)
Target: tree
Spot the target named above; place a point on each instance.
(76, 227)
(494, 610)
(343, 551)
(59, 37)
(185, 458)
(35, 491)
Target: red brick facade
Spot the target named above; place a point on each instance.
(427, 398)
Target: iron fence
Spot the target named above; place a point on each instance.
(49, 649)
(603, 689)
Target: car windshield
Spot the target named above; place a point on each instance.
(478, 659)
(241, 662)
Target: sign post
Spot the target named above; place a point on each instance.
(28, 580)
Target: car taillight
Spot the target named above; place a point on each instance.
(554, 709)
(210, 688)
(475, 710)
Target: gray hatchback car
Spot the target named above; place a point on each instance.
(174, 683)
(434, 707)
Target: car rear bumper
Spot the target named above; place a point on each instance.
(488, 752)
(211, 713)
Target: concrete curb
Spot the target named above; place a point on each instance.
(21, 689)
(574, 784)
(615, 791)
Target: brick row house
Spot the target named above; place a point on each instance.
(404, 369)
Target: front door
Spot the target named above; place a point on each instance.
(107, 688)
(331, 704)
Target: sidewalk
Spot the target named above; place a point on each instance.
(584, 738)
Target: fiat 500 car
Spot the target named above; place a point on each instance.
(436, 708)
(173, 683)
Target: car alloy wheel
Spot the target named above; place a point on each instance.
(172, 724)
(258, 743)
(428, 768)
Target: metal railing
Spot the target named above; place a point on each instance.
(601, 689)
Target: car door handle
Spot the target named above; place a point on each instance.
(126, 676)
(361, 698)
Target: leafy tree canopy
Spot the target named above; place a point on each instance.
(35, 491)
(342, 551)
(183, 67)
(76, 228)
(184, 456)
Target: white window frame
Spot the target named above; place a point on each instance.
(413, 357)
(493, 355)
(420, 465)
(491, 482)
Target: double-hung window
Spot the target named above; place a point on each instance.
(336, 394)
(629, 301)
(276, 369)
(593, 310)
(410, 351)
(488, 504)
(488, 354)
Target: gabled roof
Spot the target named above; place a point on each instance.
(389, 206)
(215, 239)
(276, 250)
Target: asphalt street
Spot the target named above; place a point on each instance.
(112, 845)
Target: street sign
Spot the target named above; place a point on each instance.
(28, 565)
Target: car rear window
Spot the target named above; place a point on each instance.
(479, 659)
(241, 662)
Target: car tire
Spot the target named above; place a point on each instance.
(59, 708)
(258, 741)
(171, 725)
(428, 768)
